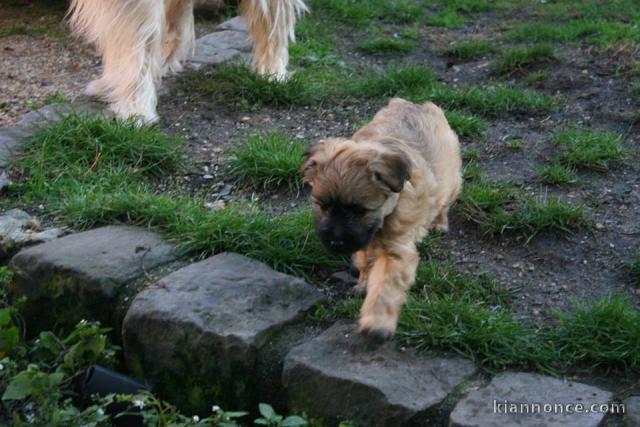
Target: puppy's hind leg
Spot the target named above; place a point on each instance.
(128, 34)
(389, 282)
(179, 39)
(271, 26)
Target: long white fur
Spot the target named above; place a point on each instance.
(142, 40)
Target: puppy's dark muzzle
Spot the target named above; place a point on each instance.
(342, 247)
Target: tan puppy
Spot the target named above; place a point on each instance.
(377, 194)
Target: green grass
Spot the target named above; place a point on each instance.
(362, 12)
(469, 50)
(598, 150)
(233, 81)
(491, 101)
(497, 208)
(586, 31)
(537, 77)
(518, 58)
(387, 47)
(516, 144)
(413, 82)
(266, 161)
(446, 19)
(556, 174)
(96, 171)
(466, 126)
(603, 335)
(394, 81)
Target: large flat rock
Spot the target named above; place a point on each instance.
(213, 331)
(338, 375)
(54, 112)
(10, 143)
(632, 411)
(19, 229)
(82, 275)
(499, 403)
(220, 46)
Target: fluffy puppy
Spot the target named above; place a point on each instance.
(142, 40)
(377, 194)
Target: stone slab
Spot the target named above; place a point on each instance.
(480, 407)
(632, 411)
(10, 142)
(220, 46)
(338, 376)
(237, 23)
(53, 112)
(211, 331)
(81, 275)
(19, 229)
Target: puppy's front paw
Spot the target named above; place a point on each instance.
(379, 328)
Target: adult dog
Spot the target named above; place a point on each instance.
(378, 193)
(142, 40)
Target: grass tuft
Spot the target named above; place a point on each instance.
(556, 174)
(597, 150)
(267, 161)
(603, 335)
(496, 208)
(466, 126)
(394, 81)
(470, 49)
(491, 101)
(387, 47)
(517, 58)
(588, 31)
(234, 81)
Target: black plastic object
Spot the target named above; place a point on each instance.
(100, 381)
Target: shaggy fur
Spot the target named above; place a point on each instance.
(379, 193)
(143, 40)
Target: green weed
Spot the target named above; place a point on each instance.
(266, 161)
(517, 58)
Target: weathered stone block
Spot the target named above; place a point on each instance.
(53, 112)
(83, 275)
(19, 229)
(220, 46)
(632, 414)
(480, 408)
(211, 332)
(338, 375)
(10, 142)
(237, 23)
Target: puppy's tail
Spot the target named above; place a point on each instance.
(272, 24)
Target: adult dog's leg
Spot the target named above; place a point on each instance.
(271, 25)
(389, 281)
(179, 40)
(128, 34)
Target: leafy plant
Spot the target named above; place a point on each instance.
(272, 419)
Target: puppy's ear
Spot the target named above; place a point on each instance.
(392, 168)
(313, 155)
